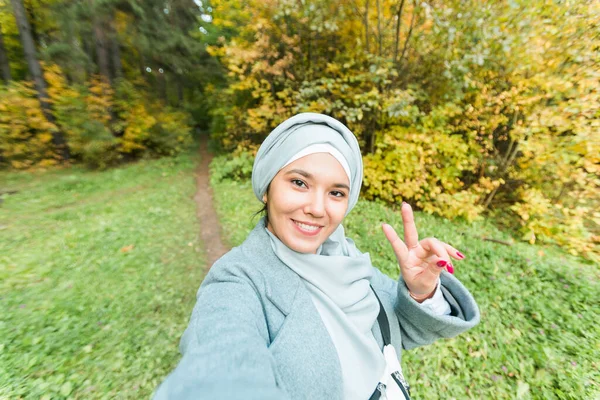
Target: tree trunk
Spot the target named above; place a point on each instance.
(115, 51)
(367, 25)
(101, 43)
(410, 29)
(379, 33)
(36, 72)
(101, 50)
(398, 25)
(30, 16)
(4, 65)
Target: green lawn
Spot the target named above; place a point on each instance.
(539, 337)
(98, 274)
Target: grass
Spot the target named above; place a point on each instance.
(98, 272)
(539, 337)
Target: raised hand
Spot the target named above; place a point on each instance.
(421, 262)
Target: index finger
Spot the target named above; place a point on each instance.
(411, 236)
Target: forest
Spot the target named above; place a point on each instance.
(466, 109)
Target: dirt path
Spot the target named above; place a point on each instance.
(210, 229)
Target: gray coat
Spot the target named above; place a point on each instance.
(255, 333)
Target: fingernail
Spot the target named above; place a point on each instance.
(441, 263)
(450, 268)
(460, 255)
(404, 203)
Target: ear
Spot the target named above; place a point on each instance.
(264, 199)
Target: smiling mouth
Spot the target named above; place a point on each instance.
(307, 229)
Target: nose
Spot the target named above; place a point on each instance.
(316, 205)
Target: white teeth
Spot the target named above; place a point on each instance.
(306, 227)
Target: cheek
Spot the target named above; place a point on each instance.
(284, 202)
(338, 210)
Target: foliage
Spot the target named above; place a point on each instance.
(83, 113)
(463, 109)
(236, 167)
(98, 55)
(150, 127)
(102, 126)
(25, 133)
(98, 272)
(539, 307)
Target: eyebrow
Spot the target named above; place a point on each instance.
(308, 175)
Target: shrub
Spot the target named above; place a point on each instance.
(236, 166)
(25, 133)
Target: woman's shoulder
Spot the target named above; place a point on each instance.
(246, 253)
(235, 263)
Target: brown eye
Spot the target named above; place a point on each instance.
(336, 193)
(298, 183)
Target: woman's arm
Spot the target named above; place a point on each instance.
(225, 347)
(421, 326)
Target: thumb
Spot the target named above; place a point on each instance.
(398, 245)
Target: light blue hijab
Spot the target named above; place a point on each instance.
(338, 276)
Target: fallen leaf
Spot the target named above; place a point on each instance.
(127, 248)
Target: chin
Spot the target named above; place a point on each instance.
(305, 249)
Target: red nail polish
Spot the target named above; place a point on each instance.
(441, 263)
(450, 268)
(460, 255)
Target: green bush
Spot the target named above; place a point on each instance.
(236, 166)
(25, 133)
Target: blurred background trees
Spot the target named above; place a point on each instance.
(463, 108)
(100, 81)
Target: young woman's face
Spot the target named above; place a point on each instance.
(307, 201)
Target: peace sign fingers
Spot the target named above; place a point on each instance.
(401, 248)
(421, 262)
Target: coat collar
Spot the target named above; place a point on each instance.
(282, 283)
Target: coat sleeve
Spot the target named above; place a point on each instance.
(419, 325)
(225, 347)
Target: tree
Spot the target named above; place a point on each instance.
(36, 73)
(101, 41)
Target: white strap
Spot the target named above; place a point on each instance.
(392, 391)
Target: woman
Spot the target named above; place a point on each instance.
(297, 311)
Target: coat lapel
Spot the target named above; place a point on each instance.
(302, 347)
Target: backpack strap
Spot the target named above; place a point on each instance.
(384, 324)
